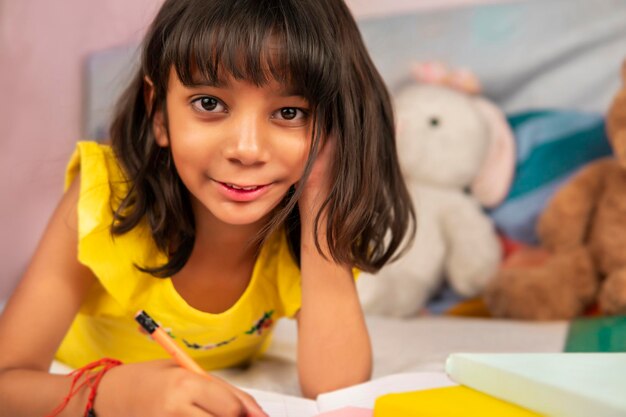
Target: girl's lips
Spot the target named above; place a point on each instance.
(242, 193)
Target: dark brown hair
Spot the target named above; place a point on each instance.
(316, 49)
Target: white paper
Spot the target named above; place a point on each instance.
(364, 395)
(281, 405)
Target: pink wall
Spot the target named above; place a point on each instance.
(41, 49)
(42, 44)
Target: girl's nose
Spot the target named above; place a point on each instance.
(247, 146)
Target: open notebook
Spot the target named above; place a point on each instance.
(352, 401)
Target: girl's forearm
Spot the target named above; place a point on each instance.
(31, 393)
(334, 348)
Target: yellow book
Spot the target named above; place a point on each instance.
(455, 401)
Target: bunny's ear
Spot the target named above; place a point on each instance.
(492, 184)
(430, 72)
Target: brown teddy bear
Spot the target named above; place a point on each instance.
(582, 257)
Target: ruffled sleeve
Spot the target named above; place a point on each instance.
(112, 259)
(98, 171)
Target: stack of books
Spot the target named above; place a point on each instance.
(485, 385)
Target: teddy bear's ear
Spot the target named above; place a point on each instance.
(492, 184)
(616, 121)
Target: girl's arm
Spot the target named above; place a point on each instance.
(35, 321)
(38, 315)
(334, 348)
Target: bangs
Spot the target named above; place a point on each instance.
(253, 40)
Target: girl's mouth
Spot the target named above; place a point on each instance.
(242, 188)
(242, 193)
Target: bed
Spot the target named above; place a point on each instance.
(529, 55)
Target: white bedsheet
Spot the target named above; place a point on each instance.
(420, 344)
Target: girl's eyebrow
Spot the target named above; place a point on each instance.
(281, 92)
(207, 83)
(289, 92)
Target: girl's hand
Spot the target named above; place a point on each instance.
(164, 389)
(317, 186)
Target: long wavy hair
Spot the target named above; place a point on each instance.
(313, 46)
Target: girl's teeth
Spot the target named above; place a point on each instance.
(242, 188)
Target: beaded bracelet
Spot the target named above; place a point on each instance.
(91, 380)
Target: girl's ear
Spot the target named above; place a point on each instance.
(158, 126)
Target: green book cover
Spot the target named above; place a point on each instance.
(601, 334)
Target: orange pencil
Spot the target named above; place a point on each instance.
(162, 338)
(182, 358)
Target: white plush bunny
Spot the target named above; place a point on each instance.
(456, 151)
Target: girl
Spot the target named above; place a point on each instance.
(252, 167)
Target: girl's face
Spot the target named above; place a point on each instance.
(238, 148)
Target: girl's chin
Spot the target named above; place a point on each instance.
(237, 213)
(243, 222)
(236, 217)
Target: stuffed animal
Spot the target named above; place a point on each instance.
(582, 256)
(457, 152)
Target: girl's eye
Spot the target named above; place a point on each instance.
(291, 113)
(208, 104)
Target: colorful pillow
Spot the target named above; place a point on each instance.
(551, 146)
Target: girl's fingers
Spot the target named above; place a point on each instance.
(194, 411)
(250, 404)
(254, 409)
(221, 399)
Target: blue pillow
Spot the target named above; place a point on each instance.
(551, 147)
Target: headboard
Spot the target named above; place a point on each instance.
(528, 54)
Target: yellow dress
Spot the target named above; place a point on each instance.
(105, 325)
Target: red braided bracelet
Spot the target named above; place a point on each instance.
(91, 380)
